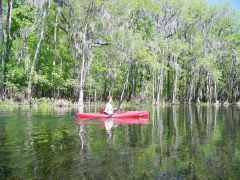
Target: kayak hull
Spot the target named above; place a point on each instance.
(127, 114)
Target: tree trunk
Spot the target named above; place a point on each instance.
(85, 66)
(95, 95)
(29, 88)
(3, 60)
(134, 79)
(168, 81)
(191, 85)
(144, 85)
(174, 100)
(81, 82)
(232, 75)
(198, 86)
(209, 88)
(111, 81)
(82, 45)
(125, 84)
(8, 26)
(55, 48)
(160, 83)
(160, 78)
(216, 92)
(153, 87)
(176, 67)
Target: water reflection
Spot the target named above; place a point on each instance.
(110, 123)
(81, 135)
(177, 142)
(176, 136)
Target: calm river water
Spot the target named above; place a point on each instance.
(178, 142)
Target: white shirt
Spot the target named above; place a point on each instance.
(108, 109)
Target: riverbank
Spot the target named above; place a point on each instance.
(67, 103)
(45, 102)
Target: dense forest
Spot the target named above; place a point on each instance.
(152, 51)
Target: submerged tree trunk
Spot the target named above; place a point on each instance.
(2, 54)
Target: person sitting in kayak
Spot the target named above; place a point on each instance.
(120, 111)
(109, 109)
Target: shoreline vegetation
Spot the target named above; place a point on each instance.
(67, 103)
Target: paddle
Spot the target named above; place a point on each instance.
(115, 110)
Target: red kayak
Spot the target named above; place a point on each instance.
(126, 114)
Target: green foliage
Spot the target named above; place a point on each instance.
(136, 35)
(22, 16)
